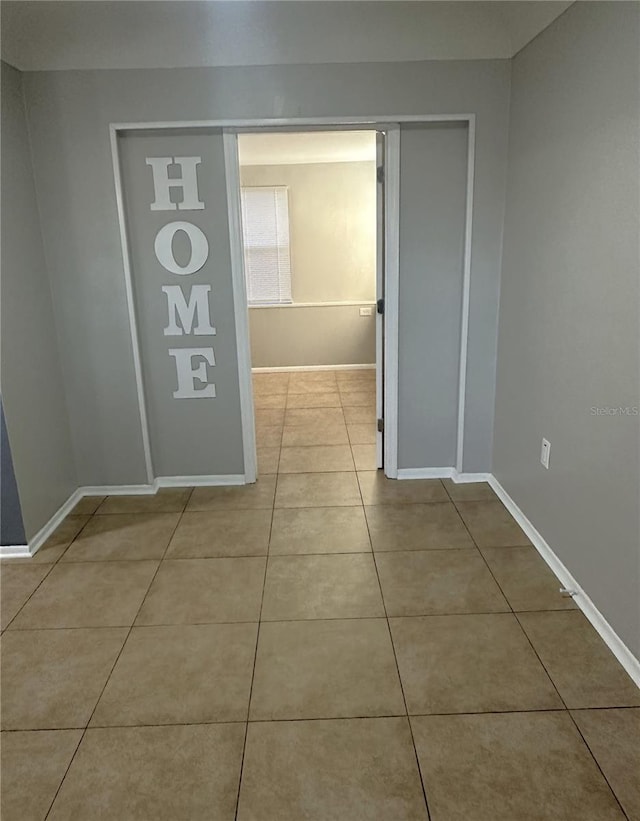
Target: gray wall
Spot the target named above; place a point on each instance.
(11, 524)
(69, 115)
(569, 301)
(332, 220)
(200, 435)
(323, 335)
(433, 194)
(32, 389)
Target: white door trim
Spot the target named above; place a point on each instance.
(390, 124)
(240, 304)
(128, 284)
(328, 123)
(381, 232)
(391, 297)
(466, 292)
(391, 273)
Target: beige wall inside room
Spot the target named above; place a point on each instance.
(318, 335)
(332, 216)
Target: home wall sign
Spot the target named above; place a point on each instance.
(188, 306)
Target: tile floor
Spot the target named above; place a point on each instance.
(325, 645)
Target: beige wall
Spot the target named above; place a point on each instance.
(332, 220)
(322, 335)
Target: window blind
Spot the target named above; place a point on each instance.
(265, 228)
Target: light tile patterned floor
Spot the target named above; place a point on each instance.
(326, 645)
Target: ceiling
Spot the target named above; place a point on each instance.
(307, 147)
(86, 34)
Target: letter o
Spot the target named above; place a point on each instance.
(163, 246)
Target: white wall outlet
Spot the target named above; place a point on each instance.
(545, 452)
(366, 311)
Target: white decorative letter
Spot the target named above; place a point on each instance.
(164, 248)
(187, 374)
(162, 183)
(185, 312)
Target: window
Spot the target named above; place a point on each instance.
(265, 229)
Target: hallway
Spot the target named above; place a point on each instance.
(326, 644)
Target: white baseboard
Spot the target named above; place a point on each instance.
(619, 649)
(442, 473)
(291, 368)
(117, 490)
(15, 551)
(200, 481)
(465, 478)
(216, 480)
(425, 473)
(26, 551)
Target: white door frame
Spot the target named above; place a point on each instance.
(389, 124)
(391, 268)
(240, 305)
(381, 160)
(391, 298)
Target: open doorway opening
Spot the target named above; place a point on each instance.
(312, 206)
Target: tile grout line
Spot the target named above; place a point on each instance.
(580, 733)
(46, 575)
(395, 657)
(260, 621)
(482, 556)
(310, 718)
(28, 599)
(511, 610)
(96, 562)
(537, 655)
(290, 621)
(255, 654)
(568, 712)
(113, 666)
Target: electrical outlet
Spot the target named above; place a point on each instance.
(545, 452)
(366, 311)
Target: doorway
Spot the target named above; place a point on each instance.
(312, 224)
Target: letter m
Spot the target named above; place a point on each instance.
(183, 313)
